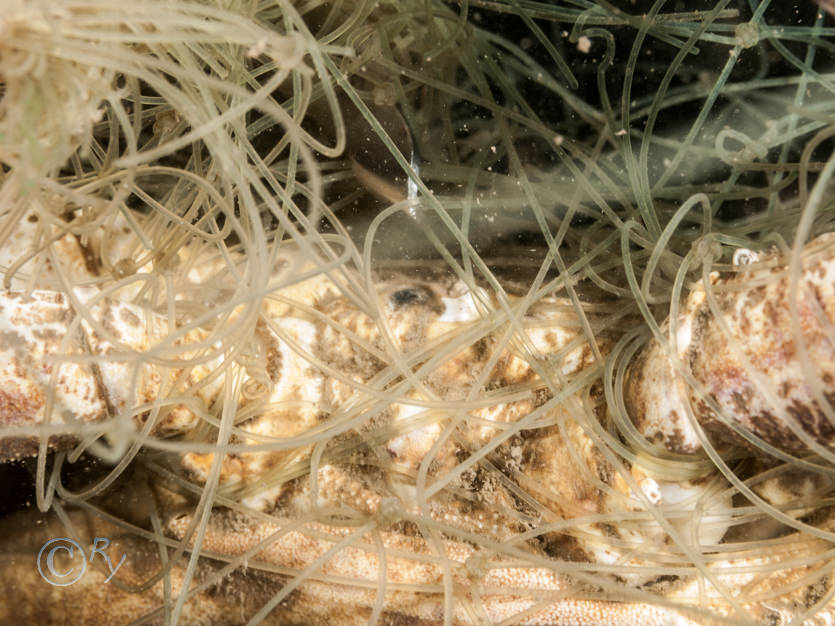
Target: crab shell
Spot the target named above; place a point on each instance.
(314, 361)
(742, 346)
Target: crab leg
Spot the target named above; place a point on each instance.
(60, 373)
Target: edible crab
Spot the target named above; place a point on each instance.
(437, 452)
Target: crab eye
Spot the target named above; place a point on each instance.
(411, 295)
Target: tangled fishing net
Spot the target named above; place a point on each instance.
(417, 312)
